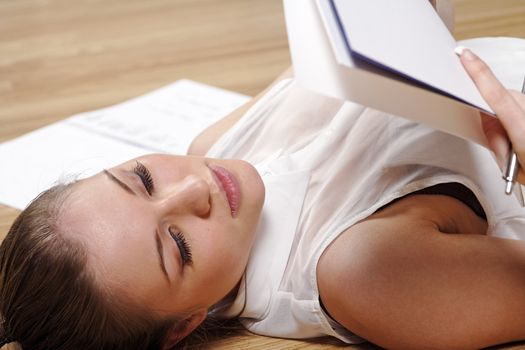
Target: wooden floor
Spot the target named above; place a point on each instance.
(61, 57)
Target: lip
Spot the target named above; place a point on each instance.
(229, 185)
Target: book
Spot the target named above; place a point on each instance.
(393, 56)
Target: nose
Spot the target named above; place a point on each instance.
(191, 195)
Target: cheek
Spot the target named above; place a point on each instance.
(221, 253)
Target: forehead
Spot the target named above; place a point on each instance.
(115, 229)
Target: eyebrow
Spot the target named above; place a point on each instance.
(118, 181)
(158, 242)
(161, 256)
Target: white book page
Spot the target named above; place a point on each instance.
(408, 37)
(165, 120)
(316, 68)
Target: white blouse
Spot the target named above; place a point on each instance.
(327, 165)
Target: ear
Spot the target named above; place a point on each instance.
(183, 328)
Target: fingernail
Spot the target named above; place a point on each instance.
(459, 50)
(465, 53)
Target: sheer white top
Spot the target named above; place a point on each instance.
(326, 165)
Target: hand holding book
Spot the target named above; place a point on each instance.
(381, 55)
(398, 57)
(509, 106)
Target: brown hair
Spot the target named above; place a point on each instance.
(48, 299)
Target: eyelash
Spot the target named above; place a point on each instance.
(145, 176)
(184, 247)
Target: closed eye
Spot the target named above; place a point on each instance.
(182, 244)
(145, 176)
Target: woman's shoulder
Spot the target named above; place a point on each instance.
(205, 140)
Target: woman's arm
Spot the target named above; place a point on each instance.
(203, 142)
(421, 274)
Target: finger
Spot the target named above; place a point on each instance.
(498, 97)
(498, 143)
(519, 97)
(521, 176)
(496, 137)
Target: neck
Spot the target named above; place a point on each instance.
(218, 308)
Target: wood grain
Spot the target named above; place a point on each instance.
(61, 57)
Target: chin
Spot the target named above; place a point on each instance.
(252, 184)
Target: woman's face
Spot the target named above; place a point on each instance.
(173, 233)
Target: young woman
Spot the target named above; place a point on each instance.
(299, 214)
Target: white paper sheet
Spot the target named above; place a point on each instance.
(164, 121)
